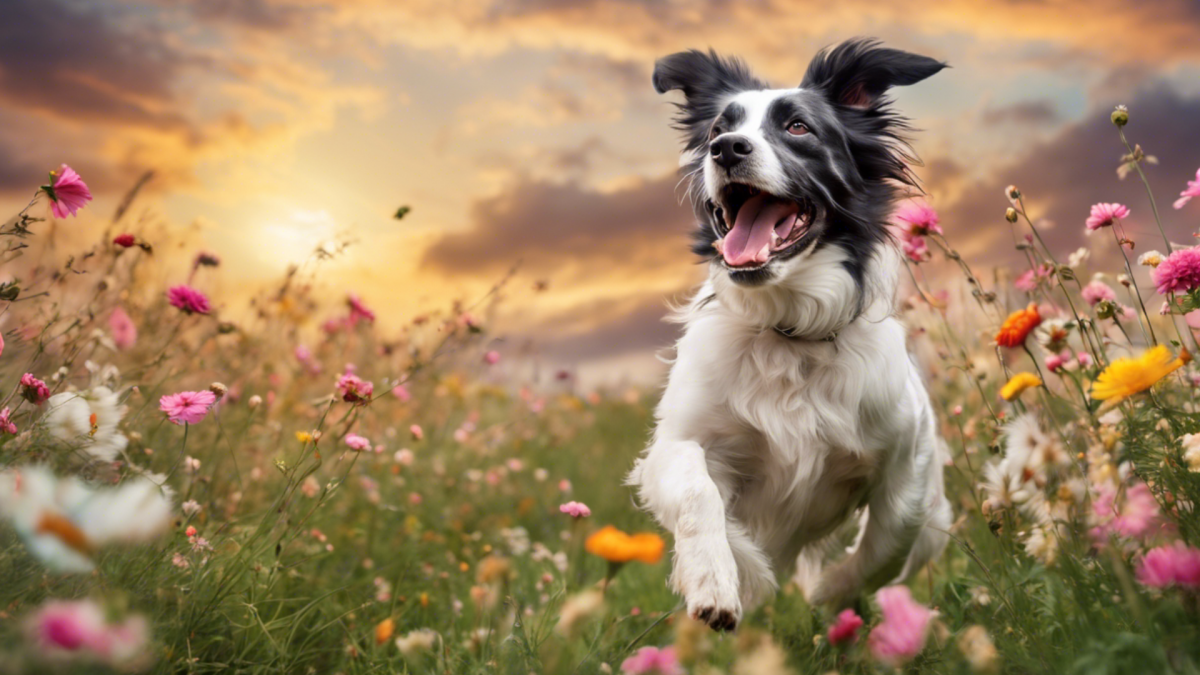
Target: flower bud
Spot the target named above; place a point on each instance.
(1010, 214)
(1123, 279)
(254, 401)
(1106, 309)
(1120, 116)
(218, 390)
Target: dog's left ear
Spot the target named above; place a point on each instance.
(858, 72)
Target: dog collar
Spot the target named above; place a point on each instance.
(793, 336)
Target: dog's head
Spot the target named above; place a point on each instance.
(778, 173)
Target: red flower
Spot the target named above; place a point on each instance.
(1017, 326)
(125, 240)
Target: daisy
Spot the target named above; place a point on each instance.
(88, 421)
(1127, 376)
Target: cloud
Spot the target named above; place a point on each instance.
(1023, 113)
(607, 328)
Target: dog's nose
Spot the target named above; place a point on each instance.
(730, 149)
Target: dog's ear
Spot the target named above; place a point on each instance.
(858, 72)
(705, 80)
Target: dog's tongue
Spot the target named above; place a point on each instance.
(751, 238)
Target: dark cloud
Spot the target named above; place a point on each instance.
(615, 329)
(72, 62)
(1064, 176)
(1024, 113)
(552, 226)
(254, 14)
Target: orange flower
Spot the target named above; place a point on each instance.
(384, 630)
(615, 546)
(1018, 325)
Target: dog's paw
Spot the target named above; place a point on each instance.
(707, 577)
(720, 613)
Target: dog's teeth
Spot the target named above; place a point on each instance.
(720, 246)
(763, 254)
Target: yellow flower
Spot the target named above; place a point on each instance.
(384, 630)
(1019, 383)
(1127, 376)
(303, 436)
(616, 546)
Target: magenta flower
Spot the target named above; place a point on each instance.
(575, 509)
(1056, 362)
(124, 333)
(1171, 565)
(1136, 518)
(417, 432)
(916, 249)
(1192, 190)
(1104, 215)
(187, 406)
(652, 661)
(125, 240)
(492, 357)
(67, 191)
(6, 423)
(64, 630)
(1178, 272)
(190, 300)
(359, 311)
(1097, 291)
(917, 218)
(901, 634)
(34, 390)
(845, 629)
(354, 389)
(357, 442)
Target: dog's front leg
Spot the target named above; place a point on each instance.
(674, 484)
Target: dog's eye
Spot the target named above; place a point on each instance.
(714, 132)
(797, 129)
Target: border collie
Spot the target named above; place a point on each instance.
(792, 403)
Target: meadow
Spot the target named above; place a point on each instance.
(294, 489)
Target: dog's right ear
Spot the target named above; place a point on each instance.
(705, 79)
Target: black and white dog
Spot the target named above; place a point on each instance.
(792, 403)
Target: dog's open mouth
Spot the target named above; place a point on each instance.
(755, 225)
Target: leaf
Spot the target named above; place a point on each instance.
(401, 212)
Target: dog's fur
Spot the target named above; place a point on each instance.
(792, 403)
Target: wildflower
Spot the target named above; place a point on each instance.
(34, 390)
(188, 299)
(1079, 257)
(901, 634)
(67, 191)
(81, 631)
(618, 547)
(359, 311)
(417, 641)
(254, 401)
(1178, 272)
(1136, 518)
(575, 509)
(1192, 190)
(125, 240)
(1170, 565)
(62, 521)
(1028, 281)
(357, 442)
(1018, 325)
(88, 420)
(577, 609)
(1053, 334)
(1120, 116)
(1105, 214)
(977, 646)
(492, 357)
(404, 457)
(1017, 384)
(187, 406)
(401, 392)
(1042, 544)
(354, 389)
(1011, 215)
(417, 432)
(191, 464)
(384, 630)
(1190, 442)
(6, 423)
(652, 661)
(1150, 259)
(190, 508)
(1127, 376)
(1012, 194)
(1056, 362)
(1097, 291)
(917, 218)
(916, 249)
(845, 629)
(124, 333)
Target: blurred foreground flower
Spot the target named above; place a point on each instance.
(120, 326)
(1192, 190)
(187, 407)
(1178, 272)
(575, 509)
(357, 442)
(901, 634)
(34, 390)
(618, 547)
(577, 609)
(1127, 376)
(1171, 565)
(67, 191)
(188, 299)
(81, 631)
(88, 420)
(416, 642)
(652, 661)
(62, 521)
(1018, 325)
(979, 650)
(1017, 384)
(354, 389)
(845, 629)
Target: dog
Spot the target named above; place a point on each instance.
(792, 403)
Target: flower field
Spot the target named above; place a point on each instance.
(295, 489)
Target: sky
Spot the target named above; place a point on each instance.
(526, 132)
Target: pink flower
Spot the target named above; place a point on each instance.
(1096, 291)
(6, 423)
(357, 442)
(1055, 362)
(845, 629)
(1103, 215)
(1029, 280)
(1178, 272)
(401, 392)
(901, 634)
(125, 240)
(1137, 518)
(1172, 564)
(354, 389)
(80, 629)
(359, 311)
(416, 431)
(652, 661)
(917, 218)
(916, 249)
(492, 357)
(1192, 190)
(190, 300)
(34, 390)
(1084, 359)
(67, 191)
(575, 509)
(187, 406)
(124, 333)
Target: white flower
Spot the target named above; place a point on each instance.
(191, 507)
(1079, 257)
(999, 486)
(1191, 450)
(63, 520)
(88, 420)
(1042, 544)
(1150, 258)
(417, 641)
